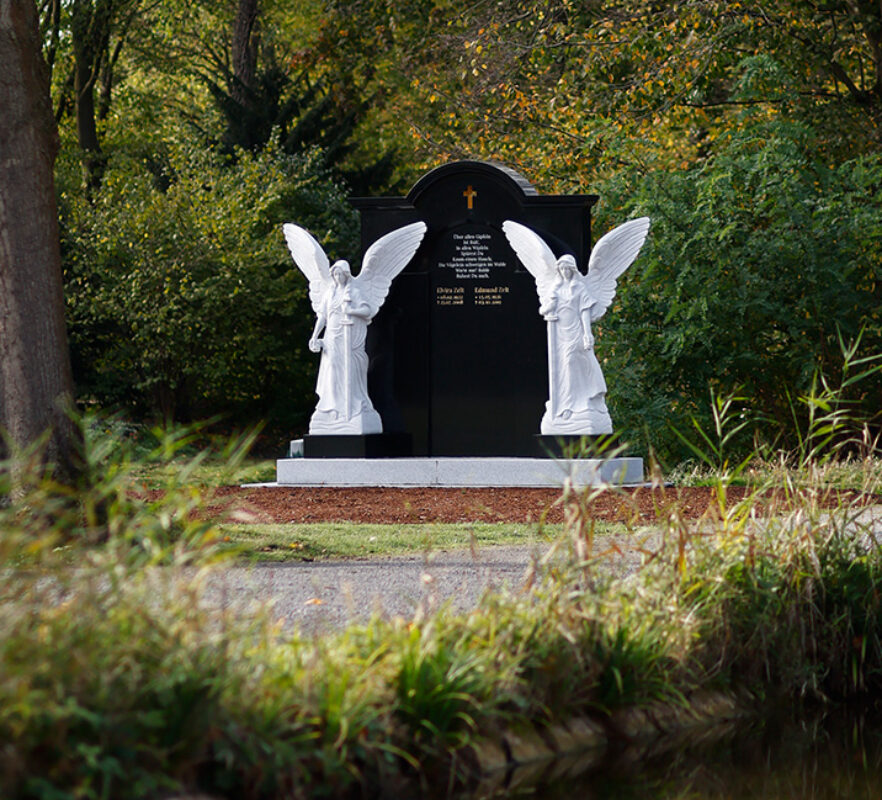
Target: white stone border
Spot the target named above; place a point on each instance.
(458, 472)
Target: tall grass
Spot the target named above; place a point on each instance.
(119, 677)
(783, 587)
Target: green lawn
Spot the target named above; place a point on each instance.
(210, 471)
(353, 540)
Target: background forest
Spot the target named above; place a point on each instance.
(751, 133)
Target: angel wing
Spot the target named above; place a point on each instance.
(611, 256)
(534, 254)
(310, 259)
(385, 258)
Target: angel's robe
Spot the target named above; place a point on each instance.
(340, 354)
(578, 379)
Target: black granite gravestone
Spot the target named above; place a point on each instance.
(458, 354)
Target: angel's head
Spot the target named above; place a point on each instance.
(340, 272)
(566, 266)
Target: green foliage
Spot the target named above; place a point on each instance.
(121, 674)
(788, 599)
(646, 103)
(302, 115)
(569, 91)
(792, 604)
(114, 677)
(108, 506)
(439, 688)
(182, 299)
(759, 264)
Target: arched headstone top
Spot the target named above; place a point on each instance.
(516, 182)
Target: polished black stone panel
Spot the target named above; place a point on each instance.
(372, 445)
(458, 353)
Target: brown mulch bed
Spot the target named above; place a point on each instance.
(383, 505)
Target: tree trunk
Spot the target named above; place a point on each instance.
(52, 29)
(35, 374)
(244, 55)
(88, 31)
(87, 128)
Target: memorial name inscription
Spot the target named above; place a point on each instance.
(449, 295)
(464, 295)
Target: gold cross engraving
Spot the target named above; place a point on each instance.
(470, 194)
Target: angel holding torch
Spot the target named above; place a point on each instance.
(344, 306)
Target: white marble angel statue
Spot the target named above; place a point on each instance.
(570, 302)
(344, 306)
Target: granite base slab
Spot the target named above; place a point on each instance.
(458, 472)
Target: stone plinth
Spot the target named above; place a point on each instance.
(458, 472)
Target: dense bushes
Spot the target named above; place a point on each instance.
(758, 263)
(182, 300)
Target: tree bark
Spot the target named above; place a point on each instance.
(89, 32)
(244, 52)
(36, 387)
(52, 27)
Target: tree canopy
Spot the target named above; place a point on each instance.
(749, 131)
(574, 90)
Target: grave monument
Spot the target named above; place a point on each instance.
(458, 367)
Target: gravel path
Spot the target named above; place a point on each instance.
(319, 596)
